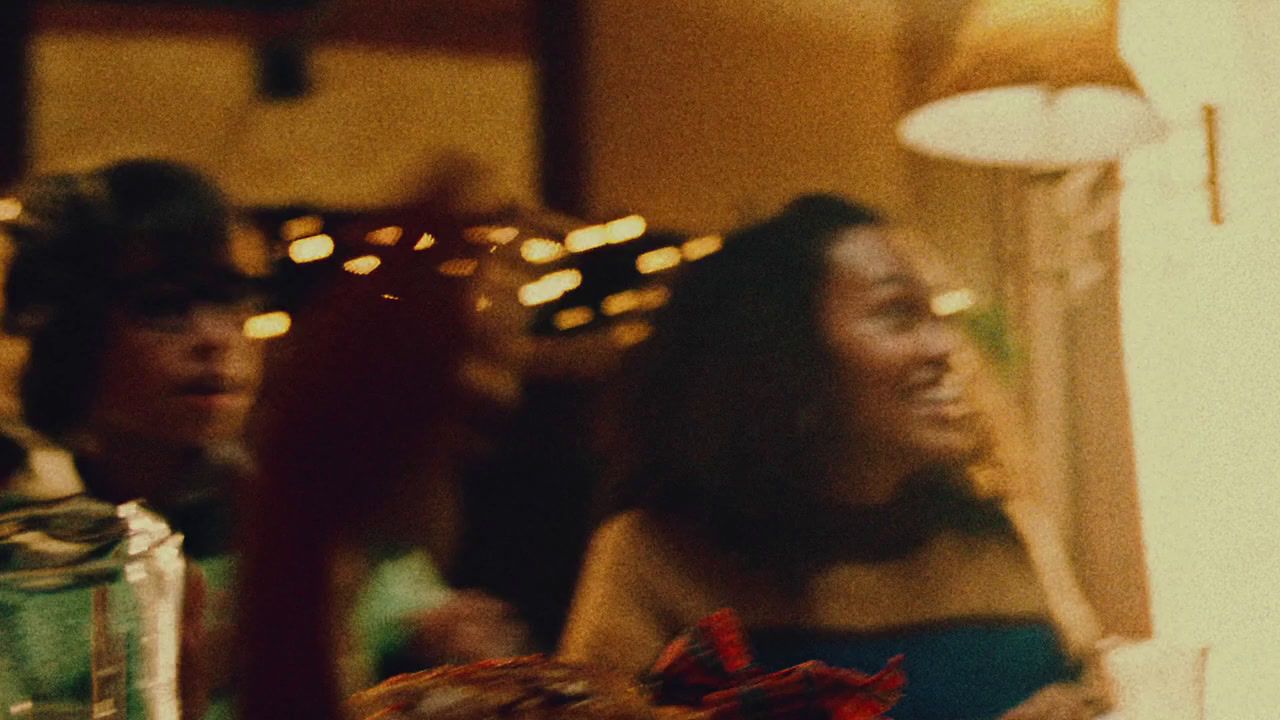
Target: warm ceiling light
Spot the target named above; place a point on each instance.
(301, 227)
(565, 280)
(424, 242)
(1033, 84)
(654, 297)
(541, 250)
(571, 318)
(654, 261)
(620, 302)
(502, 235)
(310, 249)
(10, 209)
(490, 234)
(649, 298)
(386, 236)
(267, 325)
(624, 229)
(700, 247)
(632, 333)
(586, 238)
(951, 302)
(458, 267)
(549, 287)
(362, 265)
(531, 294)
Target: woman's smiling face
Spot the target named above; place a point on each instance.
(895, 353)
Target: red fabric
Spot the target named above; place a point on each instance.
(710, 656)
(710, 667)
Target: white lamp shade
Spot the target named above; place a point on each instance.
(1033, 83)
(1033, 126)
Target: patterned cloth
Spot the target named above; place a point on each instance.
(710, 667)
(399, 583)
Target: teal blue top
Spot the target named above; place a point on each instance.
(967, 670)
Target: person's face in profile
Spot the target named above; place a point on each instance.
(176, 366)
(896, 355)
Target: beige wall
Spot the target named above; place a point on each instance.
(700, 114)
(366, 136)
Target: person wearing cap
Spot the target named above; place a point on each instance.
(132, 284)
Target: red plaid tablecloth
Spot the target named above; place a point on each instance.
(709, 667)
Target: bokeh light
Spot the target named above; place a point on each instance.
(311, 248)
(458, 267)
(573, 317)
(586, 238)
(386, 236)
(624, 229)
(267, 325)
(658, 260)
(700, 247)
(541, 250)
(952, 302)
(10, 209)
(362, 265)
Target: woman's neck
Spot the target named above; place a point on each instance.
(874, 479)
(121, 467)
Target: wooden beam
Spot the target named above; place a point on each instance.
(15, 24)
(561, 58)
(476, 27)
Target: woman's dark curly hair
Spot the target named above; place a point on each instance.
(732, 419)
(731, 408)
(78, 241)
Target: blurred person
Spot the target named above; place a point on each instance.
(526, 489)
(809, 443)
(133, 283)
(133, 286)
(357, 440)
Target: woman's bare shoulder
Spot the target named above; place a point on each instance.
(633, 526)
(635, 537)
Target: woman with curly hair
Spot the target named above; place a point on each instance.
(814, 446)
